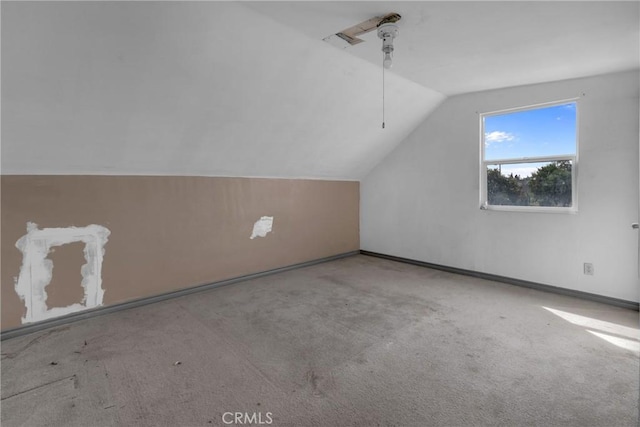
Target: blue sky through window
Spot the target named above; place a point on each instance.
(547, 131)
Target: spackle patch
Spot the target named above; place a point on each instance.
(262, 227)
(36, 270)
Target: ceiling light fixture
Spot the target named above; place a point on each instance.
(387, 31)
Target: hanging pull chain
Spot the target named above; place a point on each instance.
(383, 91)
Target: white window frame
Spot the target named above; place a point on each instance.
(573, 158)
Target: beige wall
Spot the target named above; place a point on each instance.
(169, 233)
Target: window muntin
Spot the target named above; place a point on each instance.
(529, 158)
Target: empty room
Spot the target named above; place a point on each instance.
(310, 213)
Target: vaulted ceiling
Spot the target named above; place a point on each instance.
(250, 88)
(458, 47)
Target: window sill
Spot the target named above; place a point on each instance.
(530, 209)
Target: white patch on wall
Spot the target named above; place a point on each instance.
(36, 271)
(262, 227)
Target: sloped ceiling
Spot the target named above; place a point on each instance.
(212, 89)
(457, 47)
(250, 89)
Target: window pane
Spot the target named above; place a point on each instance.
(530, 184)
(547, 131)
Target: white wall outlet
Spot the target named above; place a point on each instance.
(588, 268)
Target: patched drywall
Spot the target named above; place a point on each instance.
(37, 270)
(422, 201)
(262, 226)
(151, 235)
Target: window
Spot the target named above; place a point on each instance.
(529, 158)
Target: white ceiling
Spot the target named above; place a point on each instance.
(250, 89)
(467, 46)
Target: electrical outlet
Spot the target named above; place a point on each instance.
(588, 268)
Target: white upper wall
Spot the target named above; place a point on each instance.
(193, 88)
(422, 201)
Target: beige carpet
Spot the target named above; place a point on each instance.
(359, 341)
